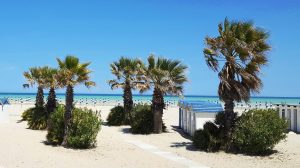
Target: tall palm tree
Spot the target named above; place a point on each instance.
(34, 76)
(72, 73)
(166, 76)
(237, 54)
(51, 83)
(128, 73)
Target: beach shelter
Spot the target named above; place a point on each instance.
(291, 113)
(3, 101)
(194, 114)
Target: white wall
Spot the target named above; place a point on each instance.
(294, 120)
(201, 119)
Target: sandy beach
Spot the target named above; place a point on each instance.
(21, 147)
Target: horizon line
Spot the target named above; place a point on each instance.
(120, 94)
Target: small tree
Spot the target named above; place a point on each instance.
(240, 48)
(36, 76)
(72, 73)
(128, 73)
(166, 76)
(51, 83)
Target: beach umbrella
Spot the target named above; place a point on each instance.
(3, 101)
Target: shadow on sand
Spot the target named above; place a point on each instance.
(187, 145)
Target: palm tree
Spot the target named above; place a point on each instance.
(35, 76)
(166, 76)
(128, 73)
(72, 73)
(51, 83)
(240, 49)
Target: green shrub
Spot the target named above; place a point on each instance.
(207, 139)
(83, 129)
(55, 130)
(258, 131)
(35, 117)
(116, 116)
(142, 120)
(220, 122)
(27, 114)
(212, 137)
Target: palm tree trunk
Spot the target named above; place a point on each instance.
(158, 106)
(68, 112)
(229, 117)
(128, 103)
(51, 102)
(39, 102)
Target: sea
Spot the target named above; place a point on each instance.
(112, 99)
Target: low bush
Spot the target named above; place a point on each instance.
(258, 131)
(212, 137)
(207, 139)
(116, 116)
(142, 120)
(55, 130)
(27, 114)
(83, 129)
(35, 117)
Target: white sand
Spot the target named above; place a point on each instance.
(21, 147)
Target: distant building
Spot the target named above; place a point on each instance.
(292, 114)
(194, 114)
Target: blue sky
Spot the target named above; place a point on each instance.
(34, 33)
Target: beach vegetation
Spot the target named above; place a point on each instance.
(237, 55)
(212, 137)
(35, 117)
(55, 130)
(128, 74)
(34, 76)
(207, 139)
(83, 129)
(117, 116)
(165, 76)
(258, 131)
(27, 114)
(142, 121)
(71, 73)
(51, 84)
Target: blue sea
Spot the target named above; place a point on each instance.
(104, 98)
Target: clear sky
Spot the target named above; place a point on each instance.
(34, 33)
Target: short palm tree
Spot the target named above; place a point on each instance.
(237, 54)
(34, 76)
(128, 73)
(166, 76)
(72, 73)
(51, 84)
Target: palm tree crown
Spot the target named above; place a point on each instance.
(166, 75)
(72, 72)
(50, 77)
(241, 49)
(34, 76)
(126, 70)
